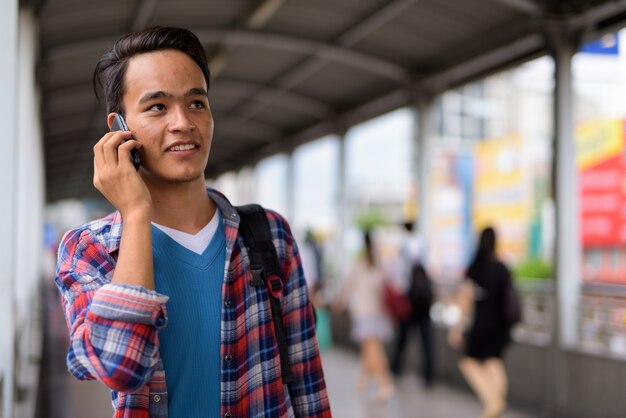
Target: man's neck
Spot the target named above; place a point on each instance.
(184, 206)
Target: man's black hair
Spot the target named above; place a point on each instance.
(111, 69)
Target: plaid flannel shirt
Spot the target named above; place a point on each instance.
(114, 328)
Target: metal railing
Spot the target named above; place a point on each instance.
(538, 310)
(602, 319)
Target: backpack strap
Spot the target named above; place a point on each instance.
(255, 229)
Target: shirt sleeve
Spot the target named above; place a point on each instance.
(113, 327)
(308, 390)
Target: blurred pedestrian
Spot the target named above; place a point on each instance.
(371, 327)
(312, 264)
(418, 288)
(481, 297)
(311, 255)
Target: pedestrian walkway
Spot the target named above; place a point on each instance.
(69, 398)
(62, 396)
(411, 400)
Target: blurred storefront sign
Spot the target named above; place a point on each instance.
(503, 193)
(450, 227)
(602, 188)
(606, 45)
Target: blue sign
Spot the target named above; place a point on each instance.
(607, 45)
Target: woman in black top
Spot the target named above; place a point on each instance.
(482, 297)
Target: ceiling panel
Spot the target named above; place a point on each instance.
(287, 72)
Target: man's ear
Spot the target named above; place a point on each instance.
(110, 117)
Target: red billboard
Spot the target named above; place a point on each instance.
(602, 184)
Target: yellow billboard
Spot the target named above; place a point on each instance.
(502, 193)
(598, 141)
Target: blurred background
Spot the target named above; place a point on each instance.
(452, 114)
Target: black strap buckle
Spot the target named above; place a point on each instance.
(257, 275)
(275, 286)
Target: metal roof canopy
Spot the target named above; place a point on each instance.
(285, 72)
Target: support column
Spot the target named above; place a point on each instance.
(421, 157)
(29, 201)
(8, 141)
(565, 190)
(246, 188)
(290, 186)
(342, 206)
(567, 252)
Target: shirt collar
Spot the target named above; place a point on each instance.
(229, 213)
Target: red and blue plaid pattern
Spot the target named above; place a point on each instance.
(114, 328)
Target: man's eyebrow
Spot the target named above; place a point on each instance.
(197, 91)
(153, 95)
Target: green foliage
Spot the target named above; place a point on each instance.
(532, 269)
(369, 220)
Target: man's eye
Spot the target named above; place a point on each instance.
(198, 104)
(158, 106)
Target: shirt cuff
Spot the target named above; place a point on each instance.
(135, 304)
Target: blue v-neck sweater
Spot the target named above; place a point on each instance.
(190, 343)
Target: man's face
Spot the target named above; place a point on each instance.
(167, 110)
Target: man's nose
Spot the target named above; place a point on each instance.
(179, 120)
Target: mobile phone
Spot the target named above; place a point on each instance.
(119, 124)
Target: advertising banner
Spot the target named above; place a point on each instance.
(602, 183)
(502, 197)
(450, 219)
(602, 191)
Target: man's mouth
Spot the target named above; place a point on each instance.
(185, 147)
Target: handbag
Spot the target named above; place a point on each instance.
(397, 304)
(512, 304)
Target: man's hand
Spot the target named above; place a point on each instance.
(115, 176)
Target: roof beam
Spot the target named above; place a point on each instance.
(143, 14)
(256, 20)
(301, 46)
(375, 21)
(527, 6)
(276, 96)
(318, 59)
(443, 79)
(263, 13)
(293, 44)
(438, 82)
(591, 17)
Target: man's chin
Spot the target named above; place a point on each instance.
(178, 178)
(188, 178)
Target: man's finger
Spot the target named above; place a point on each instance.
(123, 151)
(111, 145)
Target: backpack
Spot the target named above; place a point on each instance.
(420, 290)
(255, 230)
(512, 308)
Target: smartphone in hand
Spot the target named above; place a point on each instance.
(119, 124)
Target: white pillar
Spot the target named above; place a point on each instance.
(563, 46)
(246, 187)
(290, 186)
(422, 137)
(567, 242)
(29, 220)
(8, 142)
(342, 206)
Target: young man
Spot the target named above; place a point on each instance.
(174, 243)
